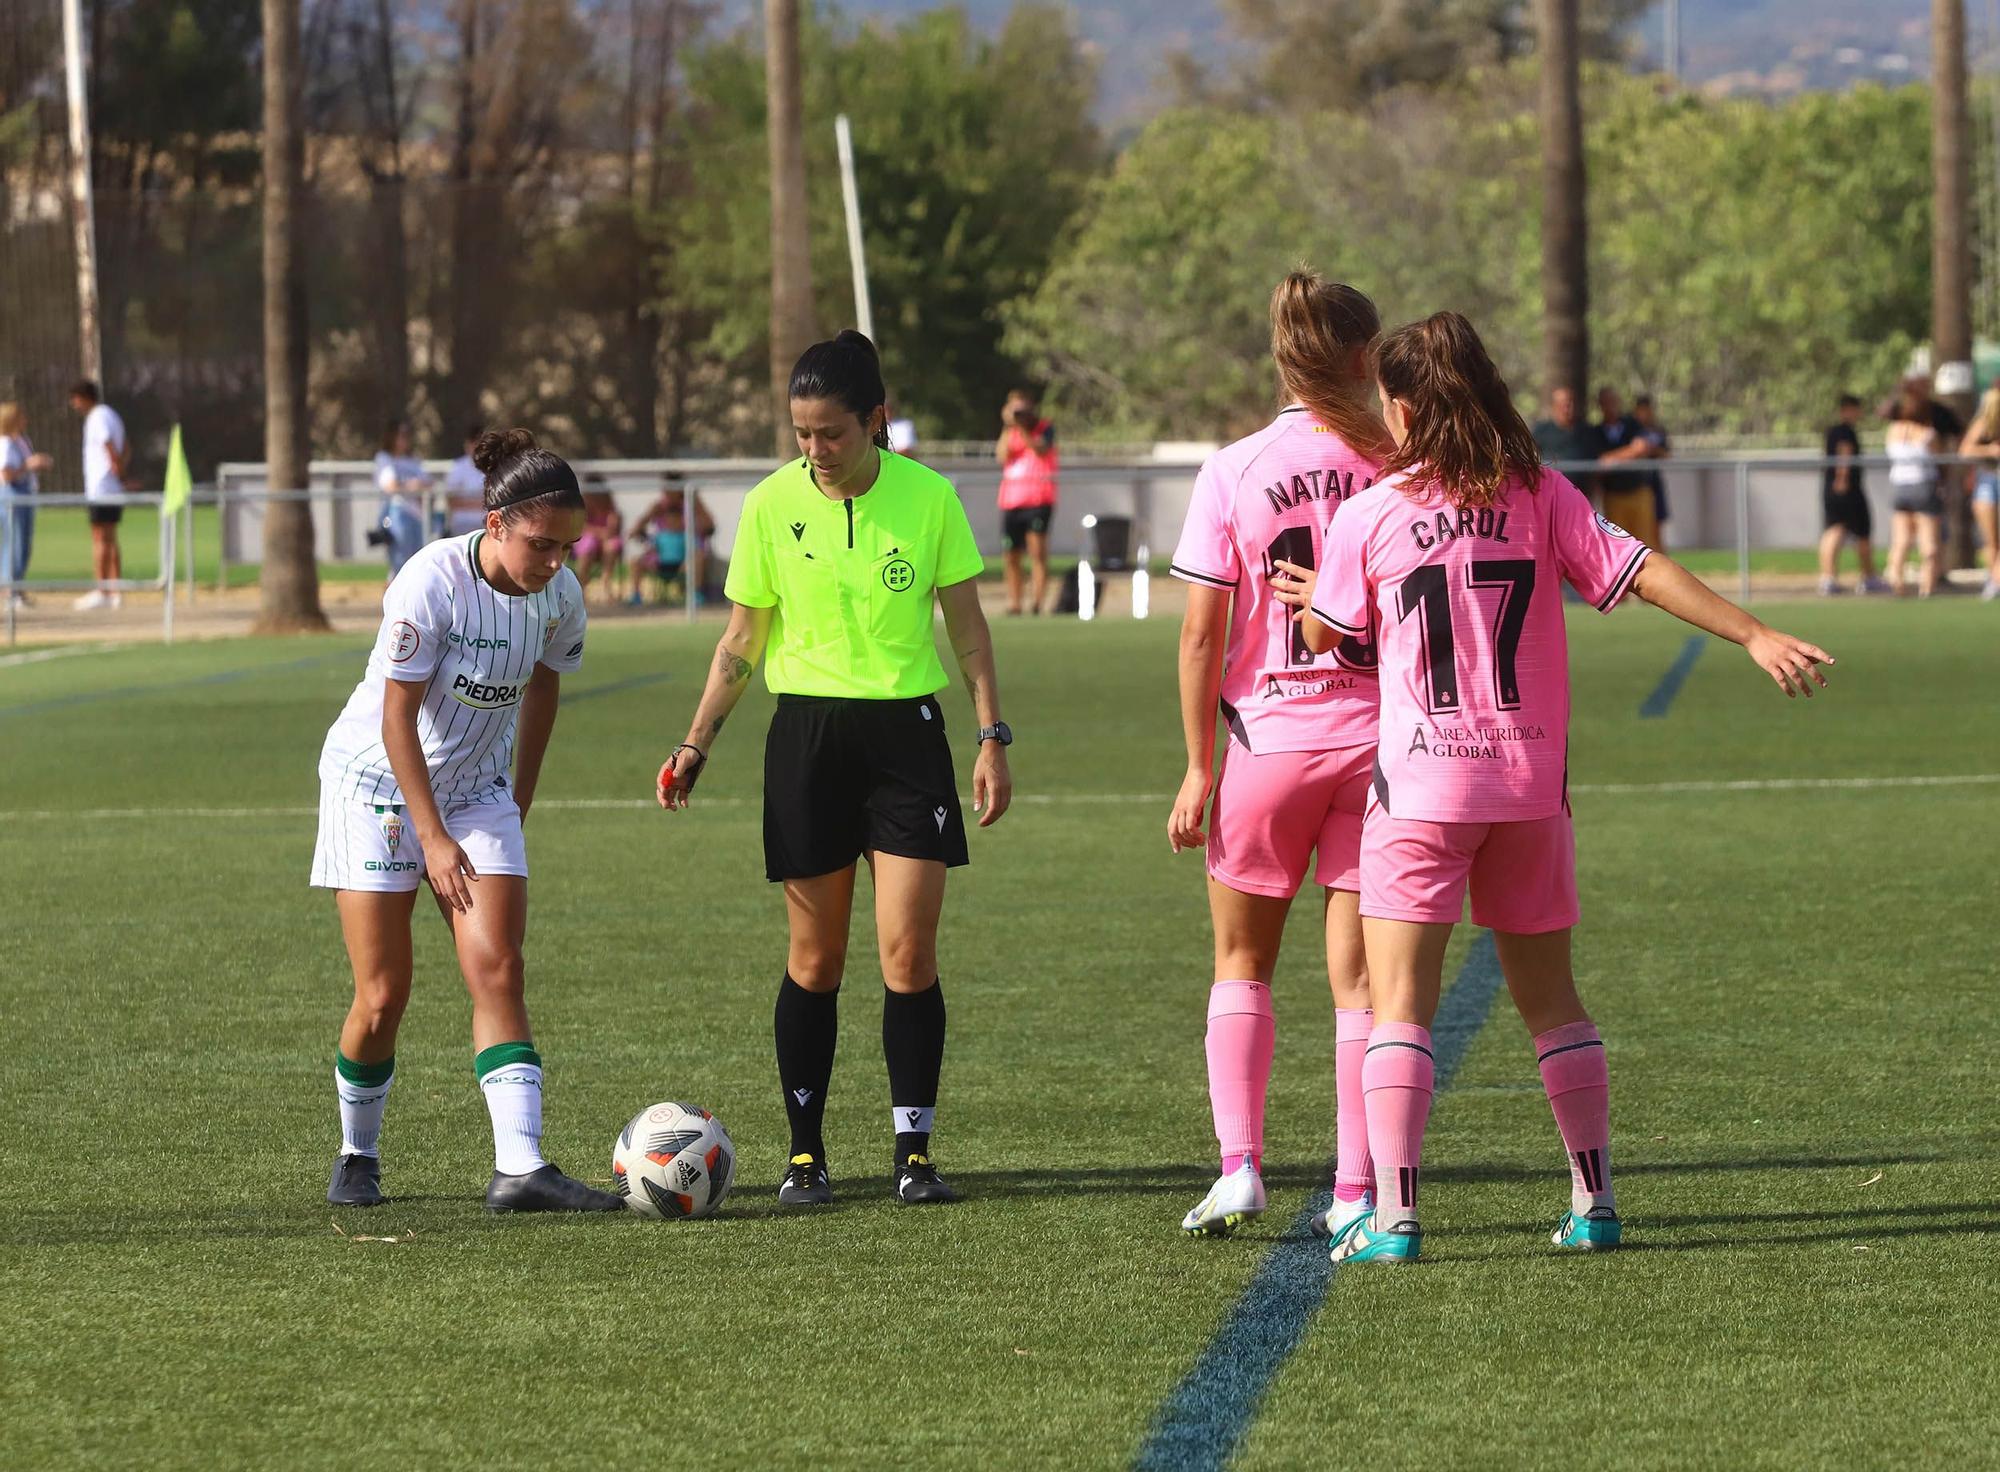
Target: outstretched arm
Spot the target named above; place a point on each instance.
(736, 655)
(972, 645)
(1790, 662)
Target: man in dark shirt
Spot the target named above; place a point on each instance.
(1662, 448)
(1628, 494)
(1844, 503)
(1566, 441)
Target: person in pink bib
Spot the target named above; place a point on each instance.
(1301, 728)
(1453, 563)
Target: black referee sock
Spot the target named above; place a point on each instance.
(807, 1025)
(913, 1047)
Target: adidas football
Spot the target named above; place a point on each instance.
(673, 1160)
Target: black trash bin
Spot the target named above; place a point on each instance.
(1111, 542)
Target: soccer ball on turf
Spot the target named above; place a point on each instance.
(673, 1160)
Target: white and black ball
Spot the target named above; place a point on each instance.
(673, 1161)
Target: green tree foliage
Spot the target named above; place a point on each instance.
(971, 155)
(1315, 54)
(1748, 261)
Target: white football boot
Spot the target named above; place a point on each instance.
(1230, 1202)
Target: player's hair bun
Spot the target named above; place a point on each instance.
(497, 446)
(847, 369)
(522, 478)
(847, 337)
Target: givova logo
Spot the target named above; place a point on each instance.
(390, 866)
(468, 691)
(468, 641)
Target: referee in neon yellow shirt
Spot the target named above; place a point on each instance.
(837, 561)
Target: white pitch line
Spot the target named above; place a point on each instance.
(1050, 799)
(63, 651)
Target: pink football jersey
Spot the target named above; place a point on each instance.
(1466, 609)
(1261, 500)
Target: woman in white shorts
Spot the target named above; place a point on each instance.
(421, 777)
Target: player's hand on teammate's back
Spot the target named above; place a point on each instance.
(992, 784)
(1184, 822)
(1292, 586)
(1791, 662)
(450, 872)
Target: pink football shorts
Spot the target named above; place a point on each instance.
(1272, 811)
(1522, 875)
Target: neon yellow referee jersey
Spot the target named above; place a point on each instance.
(852, 580)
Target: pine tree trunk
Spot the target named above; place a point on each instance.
(290, 582)
(1565, 254)
(791, 261)
(1951, 249)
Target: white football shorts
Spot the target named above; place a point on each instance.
(371, 846)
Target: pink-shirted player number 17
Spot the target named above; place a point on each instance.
(1427, 591)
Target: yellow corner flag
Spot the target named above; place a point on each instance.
(179, 484)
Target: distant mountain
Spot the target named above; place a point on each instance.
(1774, 47)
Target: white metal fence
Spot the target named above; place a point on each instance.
(1745, 502)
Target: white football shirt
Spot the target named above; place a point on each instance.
(445, 624)
(102, 429)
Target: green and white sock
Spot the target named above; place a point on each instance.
(363, 1089)
(510, 1076)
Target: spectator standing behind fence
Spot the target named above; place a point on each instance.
(465, 489)
(1844, 505)
(1567, 442)
(1913, 445)
(1628, 494)
(1660, 447)
(106, 458)
(401, 479)
(1028, 466)
(20, 466)
(1983, 440)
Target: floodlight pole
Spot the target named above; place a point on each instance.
(864, 315)
(90, 348)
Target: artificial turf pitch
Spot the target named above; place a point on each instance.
(1795, 984)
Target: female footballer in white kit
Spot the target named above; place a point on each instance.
(422, 776)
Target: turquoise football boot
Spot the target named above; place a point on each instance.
(1597, 1231)
(1362, 1243)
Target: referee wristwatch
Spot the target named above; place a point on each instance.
(999, 731)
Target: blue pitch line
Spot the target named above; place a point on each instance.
(126, 692)
(614, 686)
(1657, 703)
(1205, 1419)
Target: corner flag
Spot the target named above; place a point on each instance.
(179, 484)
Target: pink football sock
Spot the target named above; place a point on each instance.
(1397, 1077)
(1241, 1033)
(1353, 1172)
(1579, 1089)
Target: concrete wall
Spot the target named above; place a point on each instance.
(1784, 501)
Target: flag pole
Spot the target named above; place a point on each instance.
(864, 315)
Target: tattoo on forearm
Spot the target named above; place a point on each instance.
(734, 668)
(713, 729)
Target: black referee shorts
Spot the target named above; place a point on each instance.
(847, 777)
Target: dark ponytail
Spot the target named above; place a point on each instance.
(847, 370)
(1466, 439)
(523, 479)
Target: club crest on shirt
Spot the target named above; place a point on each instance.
(549, 630)
(392, 831)
(1612, 527)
